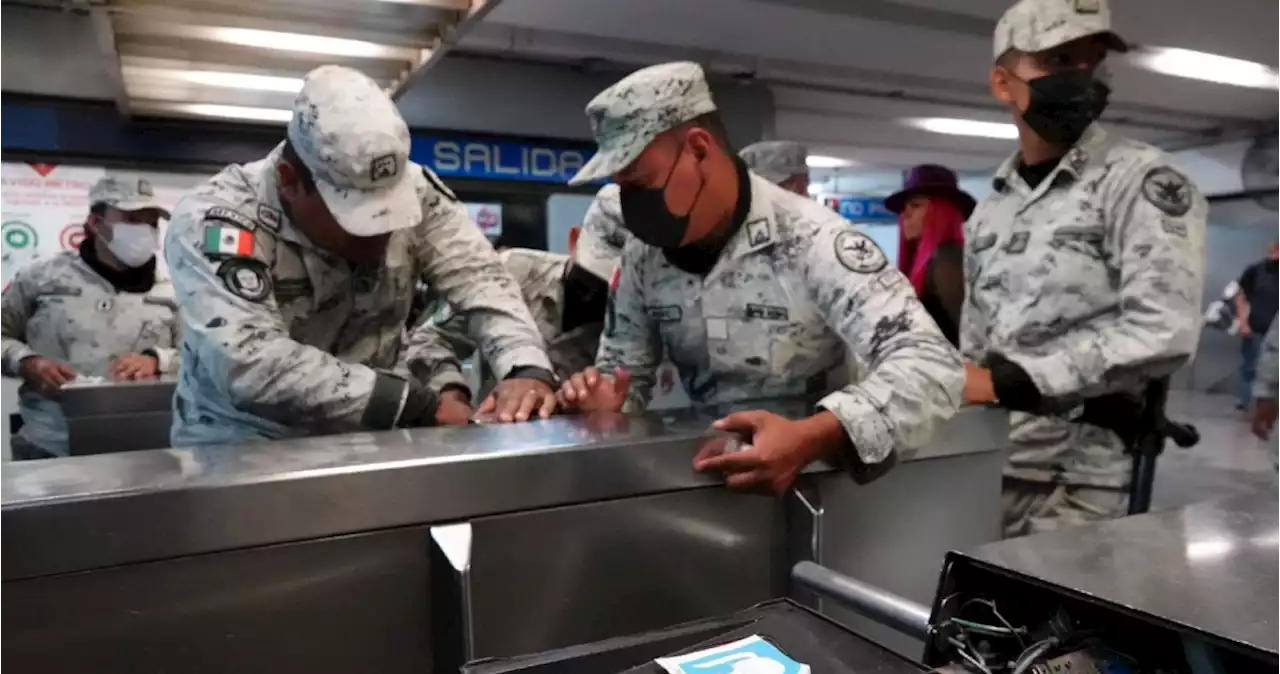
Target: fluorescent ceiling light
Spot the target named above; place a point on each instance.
(233, 112)
(212, 78)
(1199, 65)
(965, 127)
(823, 161)
(209, 78)
(313, 44)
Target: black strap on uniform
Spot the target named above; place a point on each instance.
(1143, 427)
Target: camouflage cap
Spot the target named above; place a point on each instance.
(126, 194)
(628, 115)
(1038, 25)
(776, 160)
(603, 237)
(350, 135)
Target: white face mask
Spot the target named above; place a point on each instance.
(132, 244)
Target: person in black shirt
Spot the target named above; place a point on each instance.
(1255, 309)
(931, 212)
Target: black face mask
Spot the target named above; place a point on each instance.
(585, 298)
(645, 214)
(1064, 104)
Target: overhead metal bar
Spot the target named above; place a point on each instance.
(448, 37)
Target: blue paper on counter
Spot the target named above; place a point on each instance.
(752, 655)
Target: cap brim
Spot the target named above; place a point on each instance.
(602, 165)
(373, 212)
(140, 205)
(1072, 33)
(593, 254)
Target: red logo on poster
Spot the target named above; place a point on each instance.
(44, 169)
(487, 220)
(71, 236)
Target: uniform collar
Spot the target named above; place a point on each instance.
(759, 229)
(268, 203)
(1072, 166)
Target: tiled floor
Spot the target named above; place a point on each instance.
(1228, 460)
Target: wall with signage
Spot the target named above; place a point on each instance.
(43, 208)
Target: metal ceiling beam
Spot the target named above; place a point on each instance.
(106, 39)
(449, 38)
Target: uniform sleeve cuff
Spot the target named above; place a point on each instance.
(1013, 386)
(166, 359)
(525, 356)
(867, 428)
(14, 358)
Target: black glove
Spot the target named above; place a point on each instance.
(1013, 386)
(420, 407)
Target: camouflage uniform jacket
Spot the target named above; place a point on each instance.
(540, 276)
(289, 340)
(1091, 283)
(63, 310)
(794, 291)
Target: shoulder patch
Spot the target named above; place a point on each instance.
(858, 253)
(245, 278)
(1167, 190)
(270, 217)
(230, 216)
(758, 232)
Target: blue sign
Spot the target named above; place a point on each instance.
(862, 209)
(487, 159)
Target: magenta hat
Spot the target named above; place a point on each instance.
(930, 179)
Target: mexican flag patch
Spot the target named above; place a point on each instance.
(227, 241)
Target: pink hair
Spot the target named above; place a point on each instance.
(943, 223)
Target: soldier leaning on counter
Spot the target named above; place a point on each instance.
(566, 294)
(754, 292)
(97, 312)
(1083, 267)
(295, 275)
(784, 163)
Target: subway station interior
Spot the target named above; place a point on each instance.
(622, 336)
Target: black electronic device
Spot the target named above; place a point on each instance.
(1176, 592)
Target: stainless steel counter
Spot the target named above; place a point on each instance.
(137, 506)
(103, 418)
(1210, 567)
(394, 552)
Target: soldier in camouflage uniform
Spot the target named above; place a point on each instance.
(96, 312)
(782, 162)
(565, 293)
(295, 275)
(1083, 268)
(753, 292)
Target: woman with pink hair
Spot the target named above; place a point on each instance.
(931, 210)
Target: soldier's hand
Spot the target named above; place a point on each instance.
(1264, 416)
(518, 399)
(776, 450)
(47, 376)
(978, 387)
(1245, 330)
(133, 366)
(454, 409)
(592, 391)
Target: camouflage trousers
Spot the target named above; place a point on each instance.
(1037, 507)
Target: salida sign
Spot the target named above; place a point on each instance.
(499, 159)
